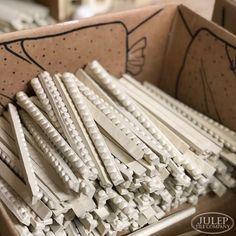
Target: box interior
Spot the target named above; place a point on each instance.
(172, 47)
(224, 14)
(200, 67)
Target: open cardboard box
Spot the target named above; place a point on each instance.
(224, 14)
(170, 46)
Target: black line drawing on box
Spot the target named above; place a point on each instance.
(214, 50)
(134, 54)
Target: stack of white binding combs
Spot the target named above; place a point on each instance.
(93, 155)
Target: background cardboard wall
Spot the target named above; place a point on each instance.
(132, 42)
(200, 67)
(168, 46)
(225, 14)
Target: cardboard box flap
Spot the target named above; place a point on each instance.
(224, 14)
(131, 41)
(200, 67)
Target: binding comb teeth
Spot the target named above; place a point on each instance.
(89, 123)
(25, 161)
(15, 204)
(61, 168)
(64, 118)
(38, 89)
(147, 159)
(53, 134)
(105, 80)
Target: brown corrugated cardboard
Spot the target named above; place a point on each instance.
(225, 14)
(170, 46)
(204, 74)
(132, 42)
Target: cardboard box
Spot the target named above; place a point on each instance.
(225, 14)
(174, 48)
